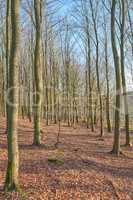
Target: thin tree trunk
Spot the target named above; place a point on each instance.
(107, 82)
(123, 74)
(87, 103)
(97, 70)
(37, 73)
(116, 145)
(7, 49)
(89, 76)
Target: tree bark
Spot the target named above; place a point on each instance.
(11, 182)
(37, 72)
(97, 69)
(89, 77)
(116, 145)
(107, 82)
(7, 49)
(123, 74)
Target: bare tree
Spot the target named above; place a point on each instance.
(94, 18)
(12, 183)
(37, 72)
(116, 145)
(107, 80)
(124, 87)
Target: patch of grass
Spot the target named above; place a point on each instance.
(55, 161)
(23, 194)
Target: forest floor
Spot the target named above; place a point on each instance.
(80, 169)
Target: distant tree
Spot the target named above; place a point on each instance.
(89, 73)
(94, 19)
(107, 78)
(37, 71)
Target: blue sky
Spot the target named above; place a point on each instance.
(64, 9)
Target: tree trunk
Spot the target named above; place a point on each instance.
(89, 77)
(37, 72)
(97, 69)
(123, 74)
(12, 183)
(116, 145)
(107, 82)
(7, 49)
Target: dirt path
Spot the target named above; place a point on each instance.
(85, 170)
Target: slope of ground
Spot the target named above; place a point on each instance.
(81, 167)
